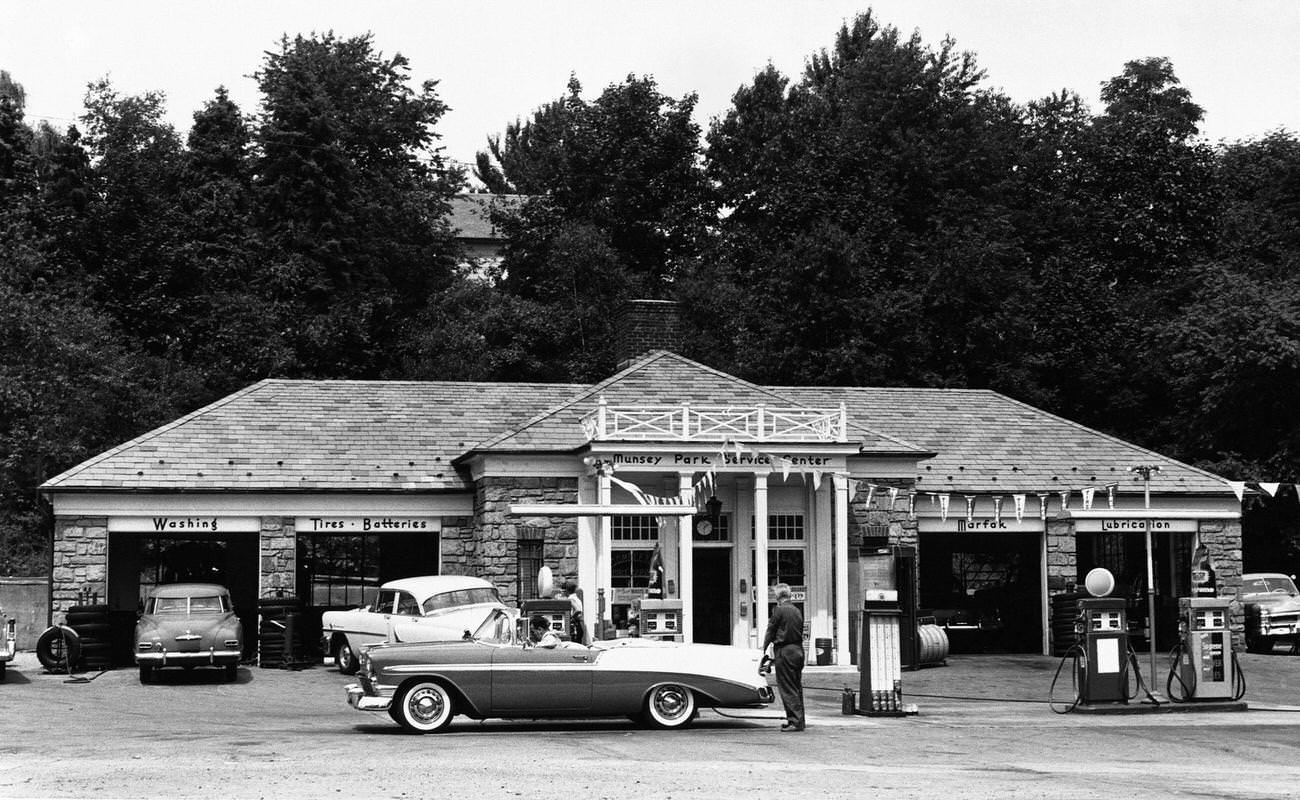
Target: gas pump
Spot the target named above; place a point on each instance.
(1103, 672)
(1203, 662)
(1102, 657)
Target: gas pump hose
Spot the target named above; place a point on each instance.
(1078, 654)
(1188, 691)
(1137, 671)
(1238, 678)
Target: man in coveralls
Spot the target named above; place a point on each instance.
(785, 635)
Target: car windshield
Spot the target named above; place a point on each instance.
(1274, 584)
(498, 628)
(461, 597)
(203, 604)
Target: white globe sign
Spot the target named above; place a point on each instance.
(1099, 582)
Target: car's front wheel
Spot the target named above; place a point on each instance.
(146, 674)
(345, 658)
(424, 707)
(670, 706)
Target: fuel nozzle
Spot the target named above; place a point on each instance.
(765, 665)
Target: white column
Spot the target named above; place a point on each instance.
(1044, 603)
(686, 562)
(843, 654)
(588, 550)
(604, 576)
(760, 554)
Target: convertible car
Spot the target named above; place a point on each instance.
(492, 674)
(424, 609)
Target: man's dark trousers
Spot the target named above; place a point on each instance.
(789, 682)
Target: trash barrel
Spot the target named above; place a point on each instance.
(823, 647)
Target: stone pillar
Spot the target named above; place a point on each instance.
(1222, 538)
(80, 553)
(278, 556)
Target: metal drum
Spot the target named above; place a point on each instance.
(932, 645)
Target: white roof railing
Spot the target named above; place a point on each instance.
(691, 423)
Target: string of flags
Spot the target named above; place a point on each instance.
(705, 487)
(1271, 489)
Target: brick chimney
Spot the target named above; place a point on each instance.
(645, 325)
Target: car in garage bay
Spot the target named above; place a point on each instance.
(495, 673)
(188, 625)
(422, 609)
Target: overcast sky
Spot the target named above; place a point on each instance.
(496, 61)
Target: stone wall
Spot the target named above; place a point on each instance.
(490, 552)
(1062, 557)
(1222, 538)
(878, 518)
(278, 551)
(80, 552)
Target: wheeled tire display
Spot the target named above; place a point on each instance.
(670, 706)
(58, 648)
(424, 707)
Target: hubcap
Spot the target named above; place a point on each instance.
(669, 703)
(426, 705)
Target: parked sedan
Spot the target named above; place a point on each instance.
(1272, 609)
(430, 608)
(492, 674)
(188, 625)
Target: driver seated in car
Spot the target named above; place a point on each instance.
(540, 633)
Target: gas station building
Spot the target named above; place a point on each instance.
(322, 489)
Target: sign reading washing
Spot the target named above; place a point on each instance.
(367, 524)
(198, 523)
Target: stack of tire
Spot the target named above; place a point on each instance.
(279, 636)
(85, 641)
(1065, 610)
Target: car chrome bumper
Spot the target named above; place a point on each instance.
(358, 699)
(180, 659)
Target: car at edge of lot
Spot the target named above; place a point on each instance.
(1272, 606)
(8, 641)
(188, 625)
(421, 609)
(493, 674)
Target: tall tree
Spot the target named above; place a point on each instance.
(869, 236)
(616, 203)
(351, 198)
(237, 330)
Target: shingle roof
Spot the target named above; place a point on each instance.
(319, 435)
(286, 435)
(989, 442)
